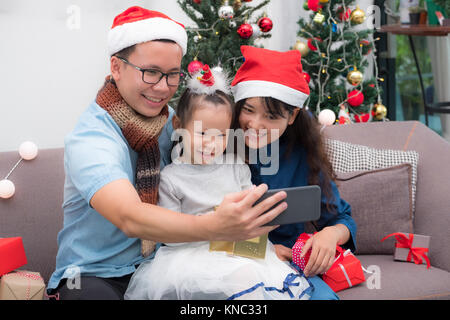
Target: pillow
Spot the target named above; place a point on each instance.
(348, 157)
(381, 202)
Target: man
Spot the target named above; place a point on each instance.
(112, 162)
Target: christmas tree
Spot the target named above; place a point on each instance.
(335, 54)
(221, 28)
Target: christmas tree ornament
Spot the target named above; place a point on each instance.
(305, 6)
(256, 31)
(226, 11)
(343, 115)
(311, 44)
(198, 1)
(324, 1)
(245, 31)
(319, 18)
(265, 24)
(334, 27)
(355, 98)
(354, 77)
(313, 5)
(357, 16)
(7, 189)
(248, 0)
(341, 15)
(307, 77)
(367, 48)
(326, 117)
(363, 117)
(237, 4)
(379, 111)
(194, 66)
(302, 47)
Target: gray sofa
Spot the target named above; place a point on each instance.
(35, 212)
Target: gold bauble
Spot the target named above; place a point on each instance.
(302, 47)
(379, 111)
(323, 1)
(237, 4)
(319, 18)
(355, 77)
(357, 16)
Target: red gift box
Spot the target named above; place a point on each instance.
(297, 251)
(12, 254)
(345, 272)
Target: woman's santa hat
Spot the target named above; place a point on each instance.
(136, 25)
(268, 73)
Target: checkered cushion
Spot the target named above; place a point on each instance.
(348, 157)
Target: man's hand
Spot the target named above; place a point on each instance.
(237, 219)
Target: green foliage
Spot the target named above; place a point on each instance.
(215, 41)
(342, 48)
(444, 4)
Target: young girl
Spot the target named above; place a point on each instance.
(195, 183)
(269, 91)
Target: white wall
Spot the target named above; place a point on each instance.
(50, 72)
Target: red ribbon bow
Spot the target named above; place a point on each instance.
(415, 253)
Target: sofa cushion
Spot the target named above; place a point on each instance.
(398, 280)
(349, 157)
(381, 204)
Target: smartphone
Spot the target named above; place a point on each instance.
(303, 205)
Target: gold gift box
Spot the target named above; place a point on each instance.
(22, 285)
(251, 248)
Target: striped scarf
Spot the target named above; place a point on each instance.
(142, 135)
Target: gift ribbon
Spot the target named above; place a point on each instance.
(415, 253)
(288, 282)
(346, 275)
(29, 276)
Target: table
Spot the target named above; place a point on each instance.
(425, 31)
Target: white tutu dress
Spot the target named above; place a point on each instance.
(190, 270)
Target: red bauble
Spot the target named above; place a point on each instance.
(265, 24)
(355, 98)
(247, 0)
(307, 77)
(194, 66)
(245, 31)
(198, 1)
(341, 16)
(313, 5)
(364, 117)
(311, 45)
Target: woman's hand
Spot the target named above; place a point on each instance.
(323, 251)
(283, 253)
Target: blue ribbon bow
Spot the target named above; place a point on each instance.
(288, 282)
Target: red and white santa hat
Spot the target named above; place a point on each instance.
(268, 73)
(136, 25)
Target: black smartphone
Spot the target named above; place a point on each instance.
(303, 205)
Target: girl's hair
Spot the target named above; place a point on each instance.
(304, 132)
(185, 107)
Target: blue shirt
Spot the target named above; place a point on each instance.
(95, 154)
(293, 172)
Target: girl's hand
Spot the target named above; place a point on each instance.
(283, 253)
(323, 251)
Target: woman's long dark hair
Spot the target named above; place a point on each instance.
(304, 132)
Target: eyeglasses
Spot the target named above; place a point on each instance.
(153, 76)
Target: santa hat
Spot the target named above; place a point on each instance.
(268, 73)
(136, 25)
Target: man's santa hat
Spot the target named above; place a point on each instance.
(136, 25)
(268, 73)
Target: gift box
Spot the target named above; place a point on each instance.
(345, 272)
(22, 285)
(251, 248)
(411, 247)
(12, 254)
(297, 251)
